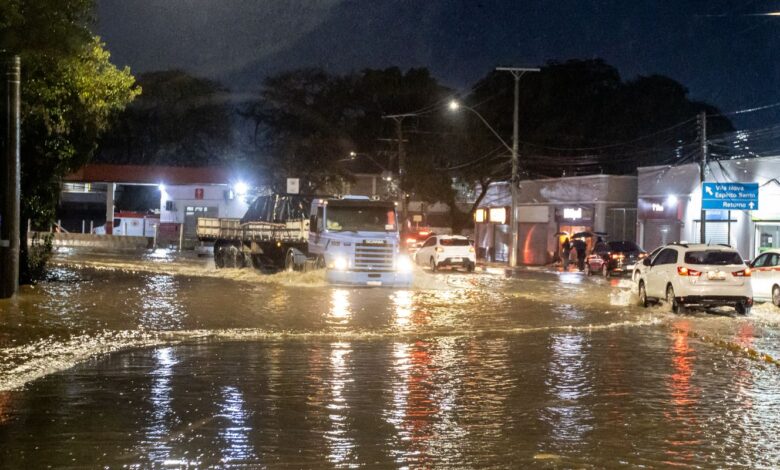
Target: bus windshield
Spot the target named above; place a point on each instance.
(357, 218)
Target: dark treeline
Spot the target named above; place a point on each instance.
(576, 117)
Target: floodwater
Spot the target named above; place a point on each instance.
(163, 361)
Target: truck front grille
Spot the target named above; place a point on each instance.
(372, 257)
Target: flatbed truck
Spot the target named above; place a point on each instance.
(354, 238)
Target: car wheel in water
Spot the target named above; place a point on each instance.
(776, 296)
(605, 270)
(742, 309)
(470, 267)
(642, 295)
(433, 265)
(587, 269)
(674, 306)
(320, 263)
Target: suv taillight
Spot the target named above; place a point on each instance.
(683, 271)
(743, 273)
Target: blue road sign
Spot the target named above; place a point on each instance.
(730, 196)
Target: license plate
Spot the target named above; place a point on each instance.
(457, 260)
(374, 283)
(716, 275)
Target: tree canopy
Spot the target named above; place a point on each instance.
(70, 90)
(307, 122)
(580, 116)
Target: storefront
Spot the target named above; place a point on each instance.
(669, 201)
(550, 210)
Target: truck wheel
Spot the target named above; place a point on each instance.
(219, 260)
(289, 261)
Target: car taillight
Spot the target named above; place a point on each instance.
(743, 273)
(439, 249)
(410, 240)
(642, 255)
(683, 271)
(618, 256)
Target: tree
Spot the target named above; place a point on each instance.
(177, 120)
(70, 90)
(308, 121)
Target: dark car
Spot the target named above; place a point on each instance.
(413, 240)
(618, 257)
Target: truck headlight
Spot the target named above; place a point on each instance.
(404, 264)
(340, 263)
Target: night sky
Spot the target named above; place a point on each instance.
(723, 51)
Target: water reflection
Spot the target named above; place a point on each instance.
(160, 308)
(685, 398)
(161, 397)
(6, 405)
(235, 434)
(568, 383)
(340, 310)
(402, 302)
(412, 403)
(341, 445)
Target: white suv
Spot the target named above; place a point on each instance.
(447, 250)
(686, 275)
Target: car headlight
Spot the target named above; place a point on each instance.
(404, 264)
(340, 263)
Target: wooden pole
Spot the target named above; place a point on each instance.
(10, 177)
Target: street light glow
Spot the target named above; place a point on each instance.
(454, 105)
(241, 188)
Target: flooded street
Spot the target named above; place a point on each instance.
(165, 361)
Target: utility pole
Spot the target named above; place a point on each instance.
(10, 188)
(399, 131)
(516, 72)
(702, 173)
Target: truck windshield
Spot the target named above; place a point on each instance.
(367, 219)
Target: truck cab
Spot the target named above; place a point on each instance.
(356, 240)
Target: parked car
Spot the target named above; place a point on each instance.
(641, 267)
(766, 277)
(689, 275)
(447, 251)
(617, 257)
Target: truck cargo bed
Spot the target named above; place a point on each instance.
(212, 229)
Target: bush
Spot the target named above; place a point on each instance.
(35, 254)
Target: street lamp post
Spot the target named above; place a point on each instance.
(517, 72)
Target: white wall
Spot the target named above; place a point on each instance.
(213, 196)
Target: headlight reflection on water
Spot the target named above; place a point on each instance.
(340, 308)
(341, 445)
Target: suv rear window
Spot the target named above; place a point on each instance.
(717, 257)
(454, 242)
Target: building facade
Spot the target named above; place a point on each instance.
(670, 198)
(552, 209)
